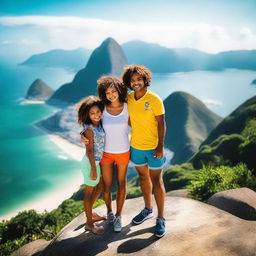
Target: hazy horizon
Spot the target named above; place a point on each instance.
(30, 27)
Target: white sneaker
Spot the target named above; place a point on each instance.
(117, 224)
(111, 217)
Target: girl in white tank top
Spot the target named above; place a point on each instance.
(116, 129)
(113, 94)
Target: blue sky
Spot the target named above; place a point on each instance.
(211, 26)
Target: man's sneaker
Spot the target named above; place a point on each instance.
(160, 227)
(117, 224)
(111, 217)
(143, 215)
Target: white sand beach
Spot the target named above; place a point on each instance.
(26, 101)
(54, 198)
(71, 149)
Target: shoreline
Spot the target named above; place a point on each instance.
(57, 196)
(27, 101)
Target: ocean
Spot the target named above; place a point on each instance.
(32, 166)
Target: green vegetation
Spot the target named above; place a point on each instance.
(174, 177)
(230, 149)
(133, 188)
(178, 176)
(210, 180)
(29, 225)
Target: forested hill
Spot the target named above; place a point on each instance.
(232, 141)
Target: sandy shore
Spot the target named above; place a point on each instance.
(25, 101)
(55, 197)
(71, 149)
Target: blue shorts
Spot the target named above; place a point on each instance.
(146, 157)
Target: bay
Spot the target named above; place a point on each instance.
(33, 166)
(221, 91)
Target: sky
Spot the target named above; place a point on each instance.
(28, 27)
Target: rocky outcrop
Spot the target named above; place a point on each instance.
(33, 248)
(188, 123)
(178, 193)
(39, 90)
(193, 228)
(240, 202)
(108, 58)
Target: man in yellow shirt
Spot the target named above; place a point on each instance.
(146, 113)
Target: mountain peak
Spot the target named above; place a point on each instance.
(108, 58)
(109, 40)
(188, 123)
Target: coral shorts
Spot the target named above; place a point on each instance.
(118, 158)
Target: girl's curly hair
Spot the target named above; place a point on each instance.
(129, 70)
(84, 107)
(105, 82)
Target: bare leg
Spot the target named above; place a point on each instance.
(145, 184)
(159, 190)
(121, 188)
(88, 197)
(97, 191)
(107, 174)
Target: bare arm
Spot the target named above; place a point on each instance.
(84, 139)
(129, 122)
(90, 153)
(161, 128)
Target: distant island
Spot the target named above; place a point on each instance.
(161, 59)
(39, 90)
(68, 59)
(157, 58)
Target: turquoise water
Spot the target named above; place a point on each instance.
(221, 91)
(31, 165)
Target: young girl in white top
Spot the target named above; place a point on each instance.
(89, 116)
(113, 94)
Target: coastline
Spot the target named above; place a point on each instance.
(53, 198)
(27, 101)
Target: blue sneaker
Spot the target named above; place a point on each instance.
(160, 227)
(143, 215)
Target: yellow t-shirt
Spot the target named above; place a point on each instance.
(142, 112)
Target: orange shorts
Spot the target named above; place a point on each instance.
(119, 158)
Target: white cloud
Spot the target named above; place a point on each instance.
(72, 32)
(7, 42)
(210, 103)
(25, 42)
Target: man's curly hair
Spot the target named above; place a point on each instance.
(129, 70)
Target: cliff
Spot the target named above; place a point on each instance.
(108, 58)
(193, 228)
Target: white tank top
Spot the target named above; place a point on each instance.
(116, 131)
